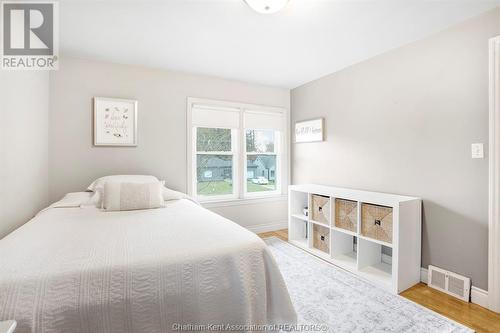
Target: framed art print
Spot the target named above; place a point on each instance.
(309, 130)
(115, 122)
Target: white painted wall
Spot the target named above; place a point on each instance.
(403, 122)
(24, 105)
(161, 150)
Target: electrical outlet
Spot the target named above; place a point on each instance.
(477, 150)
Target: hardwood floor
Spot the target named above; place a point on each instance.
(469, 314)
(474, 316)
(282, 234)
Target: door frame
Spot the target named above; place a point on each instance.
(494, 177)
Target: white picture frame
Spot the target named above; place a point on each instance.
(309, 130)
(115, 122)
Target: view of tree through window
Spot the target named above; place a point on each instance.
(213, 139)
(260, 141)
(214, 161)
(261, 160)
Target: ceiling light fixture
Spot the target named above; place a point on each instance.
(267, 6)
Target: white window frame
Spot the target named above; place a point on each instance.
(239, 149)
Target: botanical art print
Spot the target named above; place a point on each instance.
(115, 122)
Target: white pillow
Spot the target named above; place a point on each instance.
(74, 199)
(99, 183)
(169, 194)
(132, 196)
(95, 200)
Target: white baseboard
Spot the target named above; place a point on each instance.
(423, 275)
(478, 296)
(266, 227)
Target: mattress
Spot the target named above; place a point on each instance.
(73, 269)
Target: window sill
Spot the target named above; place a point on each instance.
(240, 202)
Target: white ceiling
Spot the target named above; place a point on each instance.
(225, 38)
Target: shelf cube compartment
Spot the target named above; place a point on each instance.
(376, 222)
(375, 262)
(320, 209)
(346, 214)
(299, 204)
(298, 232)
(344, 249)
(321, 238)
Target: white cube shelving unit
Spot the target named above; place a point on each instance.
(387, 251)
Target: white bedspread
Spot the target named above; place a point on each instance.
(83, 270)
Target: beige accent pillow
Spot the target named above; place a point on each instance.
(132, 196)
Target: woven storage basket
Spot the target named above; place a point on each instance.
(321, 238)
(346, 214)
(320, 208)
(376, 222)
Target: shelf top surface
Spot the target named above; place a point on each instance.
(350, 194)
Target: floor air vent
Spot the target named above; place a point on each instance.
(449, 282)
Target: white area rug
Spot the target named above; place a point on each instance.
(325, 294)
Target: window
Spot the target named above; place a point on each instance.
(261, 160)
(236, 150)
(214, 162)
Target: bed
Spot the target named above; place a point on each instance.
(74, 269)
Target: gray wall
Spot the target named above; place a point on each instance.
(162, 97)
(24, 107)
(403, 122)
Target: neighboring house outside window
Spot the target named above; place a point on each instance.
(214, 161)
(261, 151)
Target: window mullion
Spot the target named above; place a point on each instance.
(234, 152)
(214, 153)
(270, 154)
(242, 156)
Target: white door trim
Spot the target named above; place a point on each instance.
(494, 179)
